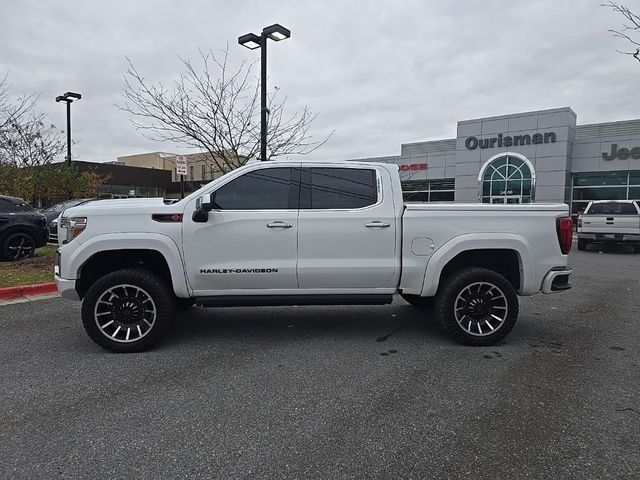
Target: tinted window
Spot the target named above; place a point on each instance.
(612, 209)
(13, 206)
(441, 196)
(5, 205)
(267, 189)
(339, 188)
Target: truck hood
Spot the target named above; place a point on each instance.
(123, 205)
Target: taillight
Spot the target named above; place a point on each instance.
(564, 227)
(580, 221)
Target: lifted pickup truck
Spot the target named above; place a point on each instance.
(292, 233)
(610, 221)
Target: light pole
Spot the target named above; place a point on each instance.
(252, 41)
(68, 98)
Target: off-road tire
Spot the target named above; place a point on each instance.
(582, 244)
(418, 301)
(451, 294)
(153, 286)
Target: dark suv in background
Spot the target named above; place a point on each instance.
(22, 229)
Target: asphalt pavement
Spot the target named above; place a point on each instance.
(333, 392)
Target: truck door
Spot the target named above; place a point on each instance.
(347, 229)
(250, 239)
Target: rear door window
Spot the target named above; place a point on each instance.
(338, 188)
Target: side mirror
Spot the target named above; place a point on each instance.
(204, 205)
(207, 202)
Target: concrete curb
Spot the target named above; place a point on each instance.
(9, 293)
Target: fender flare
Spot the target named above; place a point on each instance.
(478, 241)
(161, 243)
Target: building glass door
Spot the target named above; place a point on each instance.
(507, 179)
(509, 199)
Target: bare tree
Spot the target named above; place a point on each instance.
(217, 109)
(29, 142)
(12, 110)
(630, 30)
(25, 138)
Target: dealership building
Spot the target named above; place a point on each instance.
(542, 156)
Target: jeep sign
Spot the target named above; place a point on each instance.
(621, 153)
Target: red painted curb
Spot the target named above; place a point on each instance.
(8, 293)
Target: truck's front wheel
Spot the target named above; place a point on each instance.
(128, 310)
(477, 306)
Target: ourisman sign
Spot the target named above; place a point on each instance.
(471, 143)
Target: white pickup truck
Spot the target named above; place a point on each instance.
(610, 221)
(293, 233)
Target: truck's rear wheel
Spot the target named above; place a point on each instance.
(582, 244)
(128, 310)
(418, 301)
(477, 306)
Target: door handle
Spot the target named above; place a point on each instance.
(279, 224)
(377, 224)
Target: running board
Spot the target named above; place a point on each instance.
(282, 300)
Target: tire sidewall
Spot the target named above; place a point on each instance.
(155, 286)
(451, 288)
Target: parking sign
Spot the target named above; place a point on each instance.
(181, 165)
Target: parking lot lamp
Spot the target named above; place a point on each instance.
(68, 97)
(252, 41)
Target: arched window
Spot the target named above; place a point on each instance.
(507, 178)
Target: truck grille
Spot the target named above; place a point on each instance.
(53, 232)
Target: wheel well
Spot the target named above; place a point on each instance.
(18, 229)
(103, 263)
(503, 261)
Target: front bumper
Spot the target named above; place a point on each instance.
(67, 288)
(557, 280)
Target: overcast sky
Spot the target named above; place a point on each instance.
(378, 73)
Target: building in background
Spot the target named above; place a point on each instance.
(201, 168)
(541, 156)
(125, 181)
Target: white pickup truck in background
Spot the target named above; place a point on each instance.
(610, 221)
(293, 233)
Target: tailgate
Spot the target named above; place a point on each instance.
(629, 224)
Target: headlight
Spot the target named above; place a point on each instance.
(74, 226)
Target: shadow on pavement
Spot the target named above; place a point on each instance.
(296, 323)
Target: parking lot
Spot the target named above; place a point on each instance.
(333, 392)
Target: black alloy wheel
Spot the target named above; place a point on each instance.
(128, 310)
(477, 306)
(18, 246)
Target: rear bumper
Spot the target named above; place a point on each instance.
(609, 237)
(41, 237)
(557, 280)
